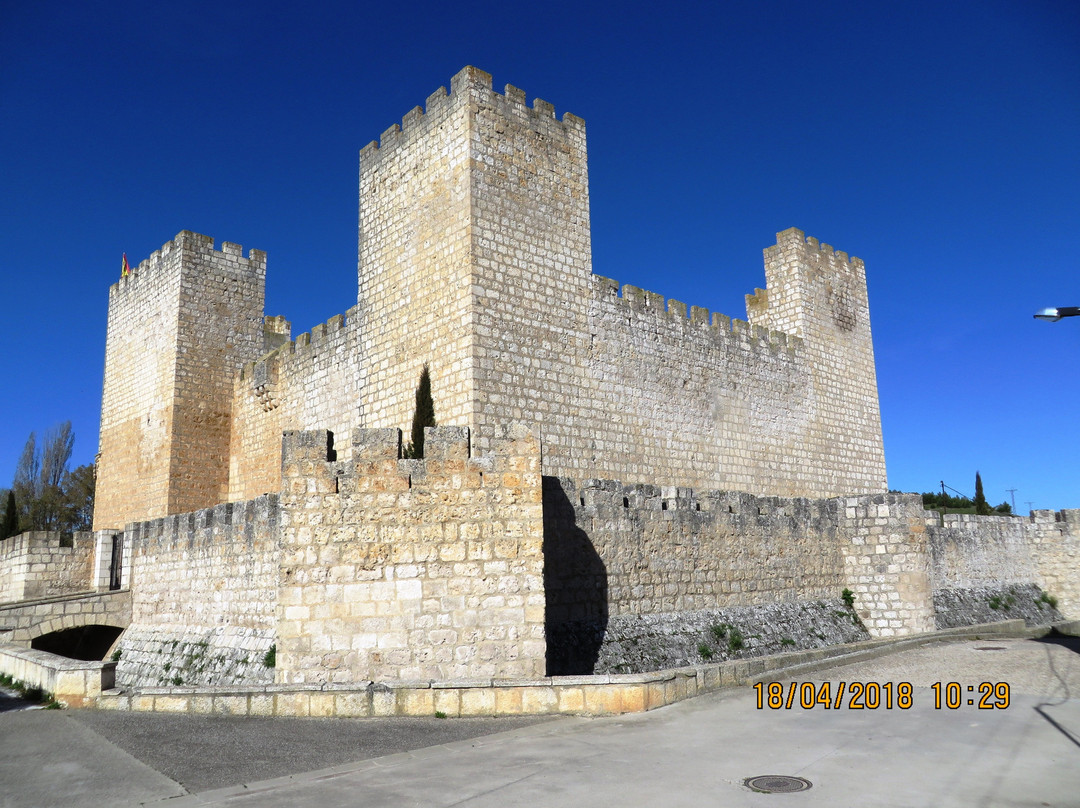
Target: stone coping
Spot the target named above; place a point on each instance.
(603, 694)
(99, 593)
(72, 682)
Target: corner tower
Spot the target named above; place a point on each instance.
(819, 294)
(474, 220)
(179, 327)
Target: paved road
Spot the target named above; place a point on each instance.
(697, 753)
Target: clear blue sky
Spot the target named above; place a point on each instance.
(939, 142)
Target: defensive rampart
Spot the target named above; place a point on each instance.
(983, 567)
(39, 564)
(411, 569)
(204, 596)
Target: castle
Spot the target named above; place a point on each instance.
(617, 467)
(474, 258)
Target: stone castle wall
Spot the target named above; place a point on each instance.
(40, 564)
(204, 596)
(475, 259)
(310, 382)
(411, 569)
(979, 557)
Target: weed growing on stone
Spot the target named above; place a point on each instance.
(849, 598)
(735, 639)
(705, 651)
(177, 680)
(270, 658)
(440, 714)
(787, 641)
(719, 631)
(116, 655)
(997, 602)
(1048, 599)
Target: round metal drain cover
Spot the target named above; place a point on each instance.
(777, 783)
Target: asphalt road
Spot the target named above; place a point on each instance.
(696, 753)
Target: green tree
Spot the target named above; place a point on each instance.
(423, 415)
(9, 526)
(982, 507)
(47, 495)
(77, 498)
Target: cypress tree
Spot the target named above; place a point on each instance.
(9, 525)
(981, 505)
(423, 415)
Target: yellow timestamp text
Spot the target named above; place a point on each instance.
(877, 695)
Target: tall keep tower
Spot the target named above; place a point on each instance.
(474, 215)
(180, 326)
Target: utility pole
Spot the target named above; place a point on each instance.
(1029, 504)
(1013, 492)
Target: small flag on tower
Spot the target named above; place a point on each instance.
(125, 270)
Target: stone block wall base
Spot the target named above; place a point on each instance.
(555, 695)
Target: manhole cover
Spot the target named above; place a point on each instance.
(777, 783)
(989, 647)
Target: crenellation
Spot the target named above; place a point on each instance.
(542, 107)
(514, 94)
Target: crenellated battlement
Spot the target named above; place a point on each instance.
(469, 80)
(301, 348)
(167, 256)
(820, 255)
(643, 306)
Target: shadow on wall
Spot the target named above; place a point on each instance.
(576, 585)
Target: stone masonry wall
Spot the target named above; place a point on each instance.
(977, 558)
(40, 564)
(705, 404)
(418, 569)
(310, 382)
(621, 559)
(886, 562)
(204, 596)
(414, 268)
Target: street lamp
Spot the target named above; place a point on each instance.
(1053, 315)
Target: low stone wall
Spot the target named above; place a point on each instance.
(72, 682)
(41, 564)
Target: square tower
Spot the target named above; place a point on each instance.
(474, 256)
(180, 326)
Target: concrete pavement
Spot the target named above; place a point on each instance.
(695, 753)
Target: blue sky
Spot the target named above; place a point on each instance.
(939, 142)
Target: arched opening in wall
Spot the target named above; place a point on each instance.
(82, 642)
